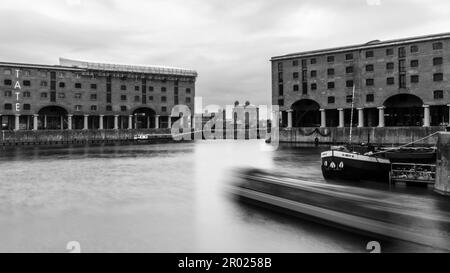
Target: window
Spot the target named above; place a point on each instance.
(414, 49)
(280, 67)
(401, 66)
(437, 46)
(390, 81)
(295, 63)
(44, 95)
(415, 63)
(280, 102)
(163, 99)
(26, 83)
(313, 86)
(330, 59)
(369, 82)
(438, 77)
(93, 96)
(390, 66)
(123, 97)
(44, 84)
(349, 69)
(123, 87)
(136, 88)
(108, 108)
(349, 99)
(26, 94)
(370, 98)
(123, 108)
(8, 106)
(402, 81)
(331, 100)
(438, 61)
(150, 98)
(349, 56)
(295, 75)
(8, 93)
(7, 72)
(164, 109)
(78, 95)
(93, 107)
(280, 77)
(313, 61)
(313, 73)
(330, 72)
(401, 52)
(296, 88)
(62, 85)
(389, 51)
(7, 82)
(151, 88)
(415, 78)
(188, 100)
(78, 85)
(163, 89)
(61, 95)
(331, 85)
(78, 107)
(137, 98)
(27, 107)
(188, 90)
(438, 94)
(369, 68)
(280, 90)
(349, 83)
(369, 54)
(93, 86)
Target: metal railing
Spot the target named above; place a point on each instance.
(414, 173)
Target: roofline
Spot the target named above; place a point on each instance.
(373, 44)
(40, 66)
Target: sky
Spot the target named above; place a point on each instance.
(228, 42)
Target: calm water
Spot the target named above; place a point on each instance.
(157, 198)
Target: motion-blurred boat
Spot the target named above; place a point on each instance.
(386, 214)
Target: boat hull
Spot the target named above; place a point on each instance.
(343, 165)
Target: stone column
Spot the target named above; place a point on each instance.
(100, 123)
(69, 122)
(45, 122)
(381, 116)
(426, 116)
(341, 118)
(86, 122)
(290, 118)
(323, 118)
(442, 185)
(360, 117)
(169, 122)
(17, 123)
(156, 122)
(116, 122)
(130, 122)
(35, 122)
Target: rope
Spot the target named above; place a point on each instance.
(390, 149)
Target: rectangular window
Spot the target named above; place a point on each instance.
(415, 63)
(295, 75)
(7, 82)
(93, 96)
(331, 85)
(370, 98)
(415, 78)
(349, 56)
(108, 108)
(188, 90)
(438, 94)
(123, 97)
(389, 51)
(331, 100)
(163, 99)
(136, 88)
(8, 93)
(44, 84)
(401, 52)
(313, 73)
(369, 82)
(164, 109)
(26, 107)
(123, 87)
(390, 66)
(349, 99)
(438, 77)
(93, 107)
(123, 108)
(26, 83)
(313, 61)
(295, 63)
(280, 102)
(402, 81)
(369, 54)
(390, 81)
(62, 85)
(44, 95)
(137, 98)
(280, 67)
(280, 90)
(151, 88)
(150, 98)
(296, 88)
(313, 86)
(330, 59)
(349, 83)
(414, 49)
(26, 94)
(78, 85)
(330, 72)
(188, 100)
(437, 46)
(163, 89)
(349, 69)
(438, 61)
(401, 66)
(8, 106)
(305, 88)
(93, 86)
(369, 68)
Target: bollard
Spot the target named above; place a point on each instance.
(442, 185)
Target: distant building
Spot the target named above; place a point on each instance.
(402, 82)
(84, 95)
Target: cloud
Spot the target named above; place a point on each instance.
(228, 42)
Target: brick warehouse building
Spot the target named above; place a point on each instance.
(82, 95)
(402, 82)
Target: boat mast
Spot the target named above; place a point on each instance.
(351, 115)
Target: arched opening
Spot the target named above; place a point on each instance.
(306, 113)
(52, 118)
(144, 118)
(404, 110)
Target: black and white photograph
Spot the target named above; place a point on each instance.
(200, 127)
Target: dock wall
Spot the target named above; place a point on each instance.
(442, 185)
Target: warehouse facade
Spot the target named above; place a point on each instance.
(84, 95)
(396, 83)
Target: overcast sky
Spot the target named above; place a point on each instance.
(229, 42)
